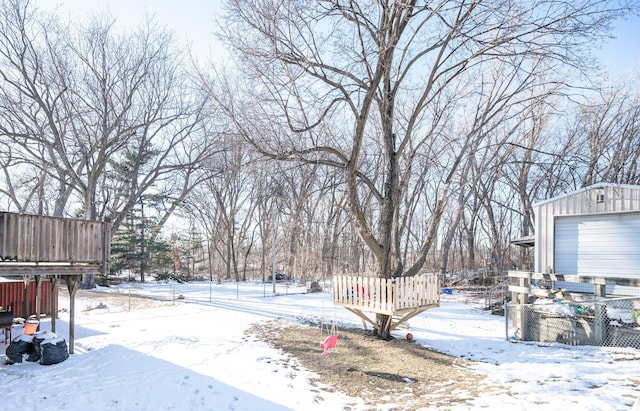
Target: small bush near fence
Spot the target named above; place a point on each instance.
(610, 322)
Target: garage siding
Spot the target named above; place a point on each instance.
(598, 245)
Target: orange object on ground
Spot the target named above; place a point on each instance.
(330, 342)
(30, 327)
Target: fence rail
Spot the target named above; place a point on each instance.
(520, 283)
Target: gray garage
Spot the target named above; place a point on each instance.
(594, 231)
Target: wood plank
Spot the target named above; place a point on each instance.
(20, 244)
(364, 317)
(406, 317)
(379, 297)
(576, 279)
(391, 296)
(15, 237)
(519, 274)
(4, 232)
(367, 292)
(518, 289)
(43, 240)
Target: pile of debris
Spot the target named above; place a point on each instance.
(43, 347)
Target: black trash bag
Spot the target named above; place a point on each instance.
(36, 344)
(34, 356)
(53, 351)
(20, 346)
(41, 336)
(38, 338)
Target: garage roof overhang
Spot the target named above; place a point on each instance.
(526, 241)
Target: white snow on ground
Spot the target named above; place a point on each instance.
(192, 354)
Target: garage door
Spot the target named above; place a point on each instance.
(598, 245)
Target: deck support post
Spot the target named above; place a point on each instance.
(73, 283)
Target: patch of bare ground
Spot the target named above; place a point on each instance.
(87, 300)
(398, 372)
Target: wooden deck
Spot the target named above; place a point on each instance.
(34, 246)
(400, 299)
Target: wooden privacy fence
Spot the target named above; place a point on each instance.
(403, 297)
(33, 238)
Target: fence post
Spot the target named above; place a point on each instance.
(600, 287)
(521, 298)
(600, 291)
(506, 321)
(599, 328)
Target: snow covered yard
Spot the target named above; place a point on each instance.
(193, 354)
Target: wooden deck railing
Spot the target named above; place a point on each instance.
(33, 238)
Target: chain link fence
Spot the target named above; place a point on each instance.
(607, 322)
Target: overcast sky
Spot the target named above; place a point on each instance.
(193, 20)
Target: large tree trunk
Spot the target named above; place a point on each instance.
(384, 323)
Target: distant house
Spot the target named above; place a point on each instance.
(594, 231)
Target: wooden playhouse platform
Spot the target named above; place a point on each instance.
(401, 299)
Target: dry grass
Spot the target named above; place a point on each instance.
(397, 372)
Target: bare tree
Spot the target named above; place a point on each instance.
(556, 150)
(608, 131)
(369, 87)
(224, 205)
(106, 115)
(20, 186)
